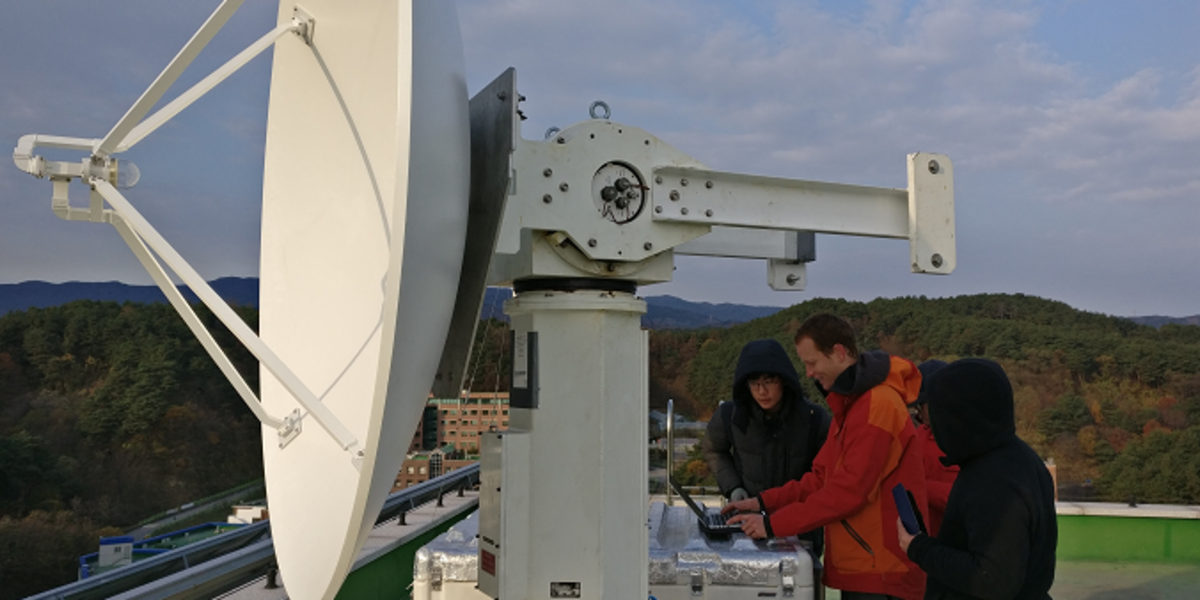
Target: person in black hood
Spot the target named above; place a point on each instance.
(1000, 533)
(769, 433)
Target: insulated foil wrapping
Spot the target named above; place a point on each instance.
(452, 556)
(679, 552)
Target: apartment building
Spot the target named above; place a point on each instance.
(448, 435)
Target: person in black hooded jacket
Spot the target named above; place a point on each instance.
(769, 433)
(1000, 533)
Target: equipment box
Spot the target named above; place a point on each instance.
(684, 563)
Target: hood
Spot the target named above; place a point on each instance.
(872, 369)
(971, 409)
(876, 367)
(927, 368)
(765, 356)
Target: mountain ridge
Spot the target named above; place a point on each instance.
(663, 311)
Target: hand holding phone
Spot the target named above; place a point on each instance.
(908, 514)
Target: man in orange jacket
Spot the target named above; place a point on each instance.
(871, 447)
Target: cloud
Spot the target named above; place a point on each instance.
(1043, 147)
(811, 92)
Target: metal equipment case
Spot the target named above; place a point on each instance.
(684, 563)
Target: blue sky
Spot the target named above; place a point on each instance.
(1074, 127)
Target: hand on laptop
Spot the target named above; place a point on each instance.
(751, 523)
(747, 505)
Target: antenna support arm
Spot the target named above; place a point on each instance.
(922, 214)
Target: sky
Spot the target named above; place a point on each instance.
(1073, 125)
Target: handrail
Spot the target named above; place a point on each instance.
(245, 554)
(670, 449)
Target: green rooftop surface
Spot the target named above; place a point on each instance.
(1080, 580)
(178, 541)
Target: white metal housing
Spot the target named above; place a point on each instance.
(563, 492)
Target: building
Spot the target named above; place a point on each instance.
(448, 435)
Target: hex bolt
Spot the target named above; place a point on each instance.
(658, 209)
(708, 213)
(647, 246)
(547, 172)
(674, 196)
(561, 140)
(658, 179)
(683, 211)
(708, 184)
(592, 243)
(563, 186)
(547, 198)
(683, 182)
(936, 259)
(792, 279)
(934, 167)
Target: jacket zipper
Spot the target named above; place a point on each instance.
(849, 529)
(858, 538)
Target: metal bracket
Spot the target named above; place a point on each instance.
(789, 586)
(697, 583)
(786, 275)
(435, 578)
(292, 424)
(306, 25)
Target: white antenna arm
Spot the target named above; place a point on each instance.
(174, 69)
(922, 214)
(193, 322)
(26, 161)
(225, 314)
(197, 91)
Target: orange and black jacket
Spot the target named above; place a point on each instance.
(872, 446)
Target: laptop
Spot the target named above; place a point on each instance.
(710, 523)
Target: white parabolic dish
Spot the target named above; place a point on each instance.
(365, 198)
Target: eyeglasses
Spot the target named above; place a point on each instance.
(764, 382)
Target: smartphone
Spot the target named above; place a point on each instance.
(908, 516)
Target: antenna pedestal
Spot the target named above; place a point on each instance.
(563, 491)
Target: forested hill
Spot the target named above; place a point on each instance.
(1114, 403)
(111, 412)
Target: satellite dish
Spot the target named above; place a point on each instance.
(365, 191)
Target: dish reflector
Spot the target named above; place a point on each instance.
(365, 192)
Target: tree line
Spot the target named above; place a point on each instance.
(113, 412)
(1114, 403)
(109, 413)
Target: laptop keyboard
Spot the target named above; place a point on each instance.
(716, 520)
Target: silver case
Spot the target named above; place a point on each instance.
(684, 563)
